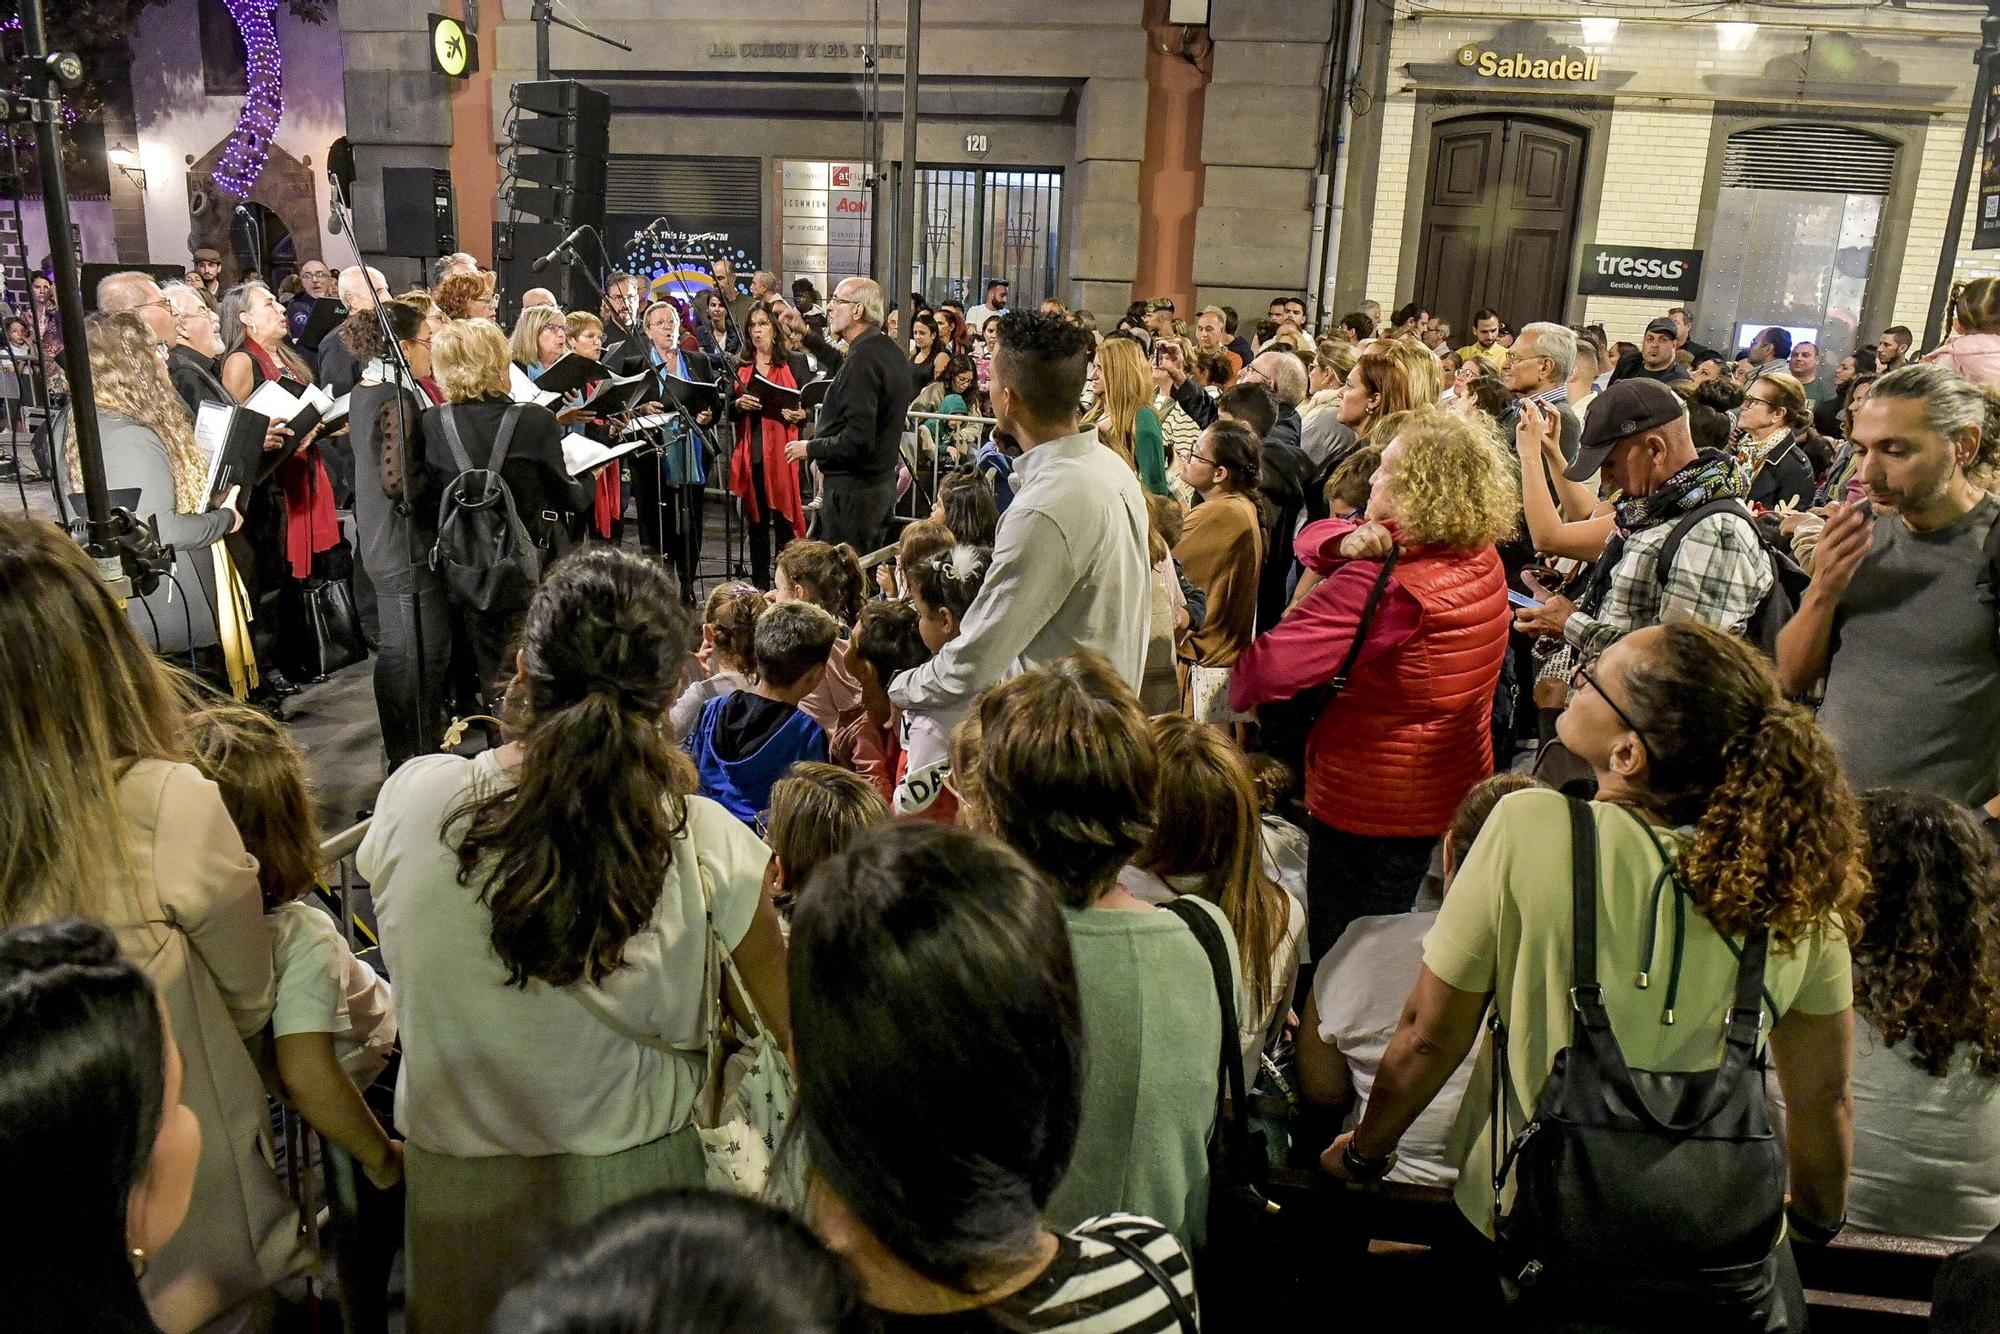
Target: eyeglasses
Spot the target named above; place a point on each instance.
(762, 824)
(1195, 457)
(842, 301)
(1582, 677)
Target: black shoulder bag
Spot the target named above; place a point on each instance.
(1644, 1199)
(1285, 725)
(1232, 1268)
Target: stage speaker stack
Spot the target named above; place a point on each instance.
(559, 140)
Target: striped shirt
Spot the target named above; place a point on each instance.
(1091, 1287)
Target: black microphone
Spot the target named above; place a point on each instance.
(567, 243)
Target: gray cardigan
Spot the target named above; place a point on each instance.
(135, 457)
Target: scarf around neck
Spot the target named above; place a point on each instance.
(1712, 476)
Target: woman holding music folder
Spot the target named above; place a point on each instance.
(767, 420)
(290, 520)
(150, 448)
(669, 492)
(395, 522)
(607, 512)
(470, 360)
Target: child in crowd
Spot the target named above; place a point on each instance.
(1160, 691)
(920, 541)
(1284, 842)
(334, 1021)
(830, 578)
(816, 811)
(746, 741)
(1357, 1000)
(966, 506)
(942, 589)
(726, 657)
(1206, 841)
(886, 641)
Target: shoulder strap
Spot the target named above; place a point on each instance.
(1232, 1103)
(1339, 682)
(1586, 996)
(508, 421)
(449, 416)
(1136, 1253)
(1685, 525)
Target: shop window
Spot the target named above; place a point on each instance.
(1793, 239)
(975, 224)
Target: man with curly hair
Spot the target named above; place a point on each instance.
(1070, 568)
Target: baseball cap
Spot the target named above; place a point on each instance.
(1664, 325)
(1622, 410)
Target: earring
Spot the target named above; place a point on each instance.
(138, 1259)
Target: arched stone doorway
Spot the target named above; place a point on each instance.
(283, 202)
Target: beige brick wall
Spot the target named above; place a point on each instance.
(1652, 193)
(1927, 218)
(1399, 121)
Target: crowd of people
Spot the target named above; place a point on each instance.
(1475, 748)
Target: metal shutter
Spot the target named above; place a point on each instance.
(728, 187)
(1831, 159)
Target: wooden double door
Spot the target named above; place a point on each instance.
(1499, 220)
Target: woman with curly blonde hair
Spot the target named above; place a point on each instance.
(1927, 1023)
(149, 446)
(1416, 598)
(1724, 832)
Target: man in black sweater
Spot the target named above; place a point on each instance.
(861, 424)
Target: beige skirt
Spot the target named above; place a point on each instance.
(477, 1225)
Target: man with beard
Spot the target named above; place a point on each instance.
(1900, 616)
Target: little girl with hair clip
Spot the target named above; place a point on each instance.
(942, 590)
(726, 656)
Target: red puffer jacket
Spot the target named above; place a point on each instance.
(1411, 734)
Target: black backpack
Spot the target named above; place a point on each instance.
(1788, 578)
(483, 550)
(1645, 1200)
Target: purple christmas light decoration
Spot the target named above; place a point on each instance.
(249, 145)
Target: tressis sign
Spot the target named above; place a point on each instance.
(1559, 69)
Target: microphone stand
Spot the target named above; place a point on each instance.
(404, 390)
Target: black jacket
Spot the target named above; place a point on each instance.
(551, 503)
(1633, 365)
(700, 370)
(861, 426)
(1281, 483)
(198, 379)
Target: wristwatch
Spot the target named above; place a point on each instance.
(1818, 1234)
(1363, 1169)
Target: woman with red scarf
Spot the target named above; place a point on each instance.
(761, 476)
(297, 520)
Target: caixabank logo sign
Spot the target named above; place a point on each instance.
(1623, 270)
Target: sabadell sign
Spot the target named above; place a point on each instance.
(1498, 65)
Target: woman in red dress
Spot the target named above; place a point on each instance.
(761, 476)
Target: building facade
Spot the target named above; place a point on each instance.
(1808, 156)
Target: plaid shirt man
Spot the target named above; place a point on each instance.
(1720, 575)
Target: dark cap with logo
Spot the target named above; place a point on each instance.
(1664, 325)
(1622, 410)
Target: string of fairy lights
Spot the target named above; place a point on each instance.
(249, 146)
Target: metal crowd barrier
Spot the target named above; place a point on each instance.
(927, 439)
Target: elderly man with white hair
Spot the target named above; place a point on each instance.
(138, 293)
(861, 425)
(538, 296)
(1538, 368)
(194, 363)
(339, 369)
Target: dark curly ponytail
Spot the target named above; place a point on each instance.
(573, 857)
(1777, 839)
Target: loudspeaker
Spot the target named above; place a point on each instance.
(516, 246)
(561, 136)
(419, 213)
